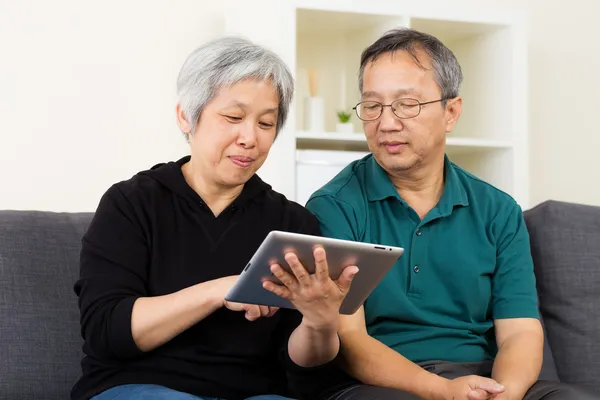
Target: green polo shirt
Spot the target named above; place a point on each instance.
(465, 264)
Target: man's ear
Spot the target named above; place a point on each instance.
(453, 112)
(182, 121)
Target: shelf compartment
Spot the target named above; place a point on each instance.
(357, 142)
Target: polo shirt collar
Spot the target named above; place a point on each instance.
(455, 193)
(380, 187)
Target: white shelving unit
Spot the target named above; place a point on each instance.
(491, 138)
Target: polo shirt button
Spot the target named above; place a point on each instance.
(419, 233)
(416, 269)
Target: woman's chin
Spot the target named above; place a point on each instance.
(236, 178)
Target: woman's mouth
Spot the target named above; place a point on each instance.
(241, 161)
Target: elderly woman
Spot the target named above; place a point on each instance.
(166, 245)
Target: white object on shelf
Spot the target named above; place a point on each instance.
(345, 127)
(343, 84)
(314, 114)
(314, 168)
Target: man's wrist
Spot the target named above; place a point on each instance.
(329, 328)
(434, 387)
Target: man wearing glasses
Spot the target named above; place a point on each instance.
(457, 317)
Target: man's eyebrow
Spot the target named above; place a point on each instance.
(369, 94)
(397, 93)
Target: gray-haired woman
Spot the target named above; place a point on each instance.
(166, 245)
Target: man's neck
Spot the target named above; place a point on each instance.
(421, 187)
(216, 197)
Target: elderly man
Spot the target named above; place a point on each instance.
(457, 317)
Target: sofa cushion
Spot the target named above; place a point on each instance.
(548, 372)
(565, 243)
(40, 344)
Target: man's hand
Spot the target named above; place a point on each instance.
(316, 296)
(506, 396)
(472, 387)
(253, 312)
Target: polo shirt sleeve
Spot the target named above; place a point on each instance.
(337, 218)
(514, 292)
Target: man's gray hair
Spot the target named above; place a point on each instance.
(223, 62)
(447, 71)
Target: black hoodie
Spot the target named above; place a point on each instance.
(153, 235)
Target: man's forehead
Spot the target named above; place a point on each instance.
(411, 58)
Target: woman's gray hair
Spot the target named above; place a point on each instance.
(446, 69)
(223, 62)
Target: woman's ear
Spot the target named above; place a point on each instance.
(182, 121)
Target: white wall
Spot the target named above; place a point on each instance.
(87, 95)
(564, 51)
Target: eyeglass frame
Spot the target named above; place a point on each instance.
(390, 105)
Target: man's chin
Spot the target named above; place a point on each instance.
(397, 163)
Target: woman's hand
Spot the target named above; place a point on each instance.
(253, 311)
(316, 296)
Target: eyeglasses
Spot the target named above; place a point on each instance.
(402, 108)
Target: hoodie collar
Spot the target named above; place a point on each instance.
(171, 176)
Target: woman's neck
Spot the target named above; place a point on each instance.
(217, 197)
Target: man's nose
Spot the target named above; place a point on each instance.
(388, 121)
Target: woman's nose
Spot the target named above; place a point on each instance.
(247, 135)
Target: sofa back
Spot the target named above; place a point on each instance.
(40, 343)
(565, 245)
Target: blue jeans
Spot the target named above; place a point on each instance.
(155, 392)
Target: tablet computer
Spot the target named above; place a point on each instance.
(372, 260)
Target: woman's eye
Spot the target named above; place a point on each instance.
(266, 124)
(232, 118)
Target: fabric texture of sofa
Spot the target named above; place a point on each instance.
(40, 342)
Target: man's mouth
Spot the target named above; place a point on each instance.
(394, 146)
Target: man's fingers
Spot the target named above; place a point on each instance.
(478, 394)
(272, 311)
(491, 386)
(286, 278)
(279, 290)
(321, 267)
(346, 278)
(298, 269)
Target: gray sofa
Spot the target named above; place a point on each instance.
(40, 344)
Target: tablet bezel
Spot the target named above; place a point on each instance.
(373, 260)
